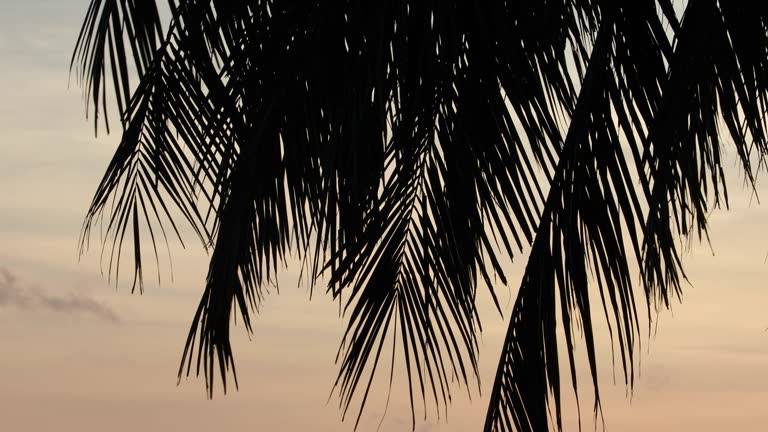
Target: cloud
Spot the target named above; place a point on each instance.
(14, 294)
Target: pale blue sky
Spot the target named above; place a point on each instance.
(66, 367)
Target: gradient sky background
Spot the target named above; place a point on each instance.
(78, 355)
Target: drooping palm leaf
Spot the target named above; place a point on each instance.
(114, 33)
(654, 112)
(590, 205)
(718, 72)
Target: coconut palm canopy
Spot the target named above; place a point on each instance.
(404, 149)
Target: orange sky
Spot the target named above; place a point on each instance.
(68, 365)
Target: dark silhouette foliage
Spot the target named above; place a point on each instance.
(403, 149)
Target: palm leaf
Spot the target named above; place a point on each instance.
(672, 120)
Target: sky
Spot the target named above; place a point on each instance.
(80, 354)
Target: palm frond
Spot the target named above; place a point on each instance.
(670, 124)
(593, 204)
(179, 145)
(717, 77)
(457, 175)
(119, 38)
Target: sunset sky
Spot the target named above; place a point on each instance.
(80, 355)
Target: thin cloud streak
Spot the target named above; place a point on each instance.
(13, 294)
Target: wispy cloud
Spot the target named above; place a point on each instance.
(15, 294)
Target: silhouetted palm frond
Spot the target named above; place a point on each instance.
(405, 149)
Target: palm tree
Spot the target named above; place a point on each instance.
(403, 149)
